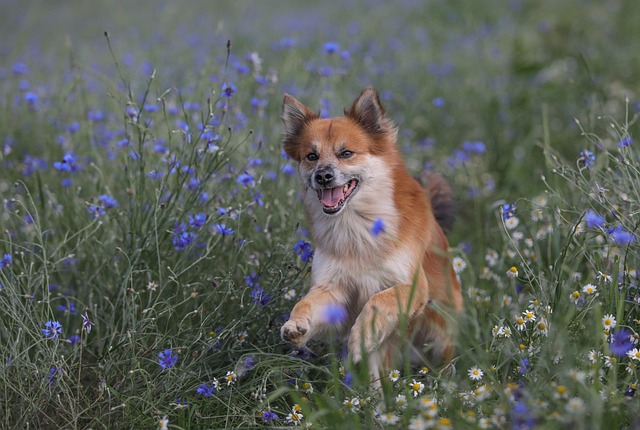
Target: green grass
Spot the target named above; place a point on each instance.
(199, 257)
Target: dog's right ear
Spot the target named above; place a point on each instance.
(294, 116)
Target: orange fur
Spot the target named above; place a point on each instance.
(352, 175)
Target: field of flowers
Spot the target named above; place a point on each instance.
(152, 240)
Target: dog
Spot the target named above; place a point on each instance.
(381, 253)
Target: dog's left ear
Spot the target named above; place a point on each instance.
(367, 111)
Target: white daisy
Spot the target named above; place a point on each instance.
(459, 264)
(609, 321)
(475, 373)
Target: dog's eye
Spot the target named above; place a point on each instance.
(312, 156)
(346, 154)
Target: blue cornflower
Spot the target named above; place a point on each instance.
(86, 323)
(288, 169)
(592, 219)
(182, 240)
(524, 366)
(378, 227)
(197, 221)
(438, 102)
(95, 211)
(154, 174)
(587, 158)
(74, 339)
(206, 390)
(303, 249)
(334, 314)
(107, 201)
(621, 342)
(508, 211)
(167, 359)
(193, 184)
(622, 236)
(52, 374)
(68, 163)
(252, 280)
(6, 261)
(229, 89)
(245, 179)
(223, 229)
(52, 329)
(476, 146)
(269, 416)
(30, 97)
(20, 68)
(69, 307)
(625, 142)
(259, 296)
(331, 47)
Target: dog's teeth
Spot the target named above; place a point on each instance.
(345, 188)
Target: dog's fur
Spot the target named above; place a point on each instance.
(353, 175)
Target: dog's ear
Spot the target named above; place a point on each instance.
(294, 116)
(367, 111)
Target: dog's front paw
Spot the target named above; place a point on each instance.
(295, 331)
(368, 332)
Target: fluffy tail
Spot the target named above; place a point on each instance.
(443, 204)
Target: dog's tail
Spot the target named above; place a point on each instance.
(443, 203)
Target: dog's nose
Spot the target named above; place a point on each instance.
(324, 176)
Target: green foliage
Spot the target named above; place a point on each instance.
(148, 210)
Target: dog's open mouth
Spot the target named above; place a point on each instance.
(333, 199)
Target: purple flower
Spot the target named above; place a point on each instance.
(592, 219)
(303, 249)
(86, 323)
(207, 390)
(95, 211)
(625, 142)
(587, 158)
(51, 376)
(334, 314)
(245, 179)
(621, 342)
(229, 89)
(223, 229)
(378, 227)
(167, 359)
(260, 297)
(269, 416)
(621, 236)
(331, 47)
(6, 261)
(508, 211)
(107, 201)
(197, 221)
(52, 329)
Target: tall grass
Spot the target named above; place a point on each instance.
(153, 240)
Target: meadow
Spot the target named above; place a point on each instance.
(152, 238)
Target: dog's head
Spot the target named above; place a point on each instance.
(335, 153)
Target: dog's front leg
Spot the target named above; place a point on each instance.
(307, 317)
(381, 315)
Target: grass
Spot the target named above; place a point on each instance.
(148, 211)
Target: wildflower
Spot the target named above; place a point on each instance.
(575, 405)
(592, 219)
(229, 89)
(625, 142)
(621, 342)
(167, 359)
(259, 296)
(307, 387)
(529, 316)
(352, 404)
(508, 210)
(589, 289)
(52, 375)
(401, 401)
(183, 240)
(108, 202)
(587, 158)
(52, 330)
(542, 327)
(604, 277)
(445, 424)
(86, 323)
(378, 227)
(394, 375)
(303, 249)
(634, 354)
(295, 417)
(389, 418)
(475, 373)
(419, 423)
(163, 423)
(334, 314)
(196, 221)
(68, 164)
(6, 261)
(511, 222)
(416, 388)
(206, 390)
(574, 297)
(268, 416)
(520, 323)
(95, 211)
(459, 264)
(290, 294)
(609, 321)
(231, 377)
(593, 356)
(512, 272)
(622, 237)
(424, 370)
(561, 392)
(331, 48)
(245, 179)
(491, 257)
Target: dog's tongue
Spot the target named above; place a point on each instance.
(331, 197)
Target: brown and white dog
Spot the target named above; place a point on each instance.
(353, 177)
